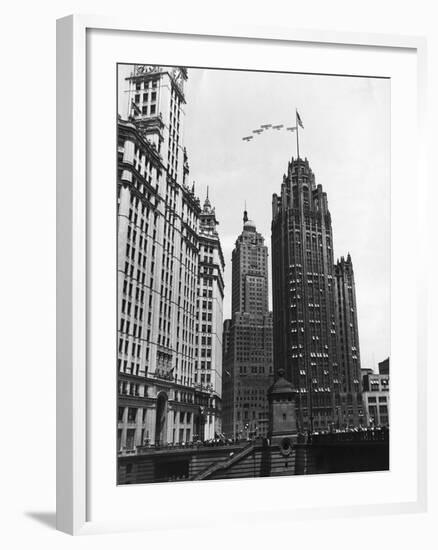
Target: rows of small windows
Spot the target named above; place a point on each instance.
(172, 194)
(189, 259)
(316, 399)
(145, 167)
(204, 340)
(203, 378)
(205, 352)
(382, 399)
(379, 384)
(204, 305)
(140, 216)
(207, 259)
(136, 260)
(206, 249)
(146, 84)
(173, 140)
(147, 100)
(252, 414)
(132, 367)
(130, 308)
(189, 237)
(132, 389)
(253, 253)
(207, 271)
(206, 292)
(204, 328)
(254, 369)
(129, 348)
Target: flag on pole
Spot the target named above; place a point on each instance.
(300, 122)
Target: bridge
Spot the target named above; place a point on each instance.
(349, 451)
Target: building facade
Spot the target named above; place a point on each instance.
(376, 398)
(210, 315)
(316, 338)
(349, 411)
(159, 240)
(248, 365)
(384, 366)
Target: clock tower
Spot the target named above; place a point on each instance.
(157, 105)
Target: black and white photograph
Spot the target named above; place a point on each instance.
(253, 274)
(219, 250)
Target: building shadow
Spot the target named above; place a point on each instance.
(45, 518)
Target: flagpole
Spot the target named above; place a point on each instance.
(298, 141)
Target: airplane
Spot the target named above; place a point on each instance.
(265, 126)
(257, 131)
(278, 127)
(247, 138)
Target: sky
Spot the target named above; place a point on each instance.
(346, 138)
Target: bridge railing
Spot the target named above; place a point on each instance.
(354, 435)
(193, 445)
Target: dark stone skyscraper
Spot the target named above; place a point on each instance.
(248, 367)
(350, 410)
(304, 301)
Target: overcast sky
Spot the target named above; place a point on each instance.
(346, 139)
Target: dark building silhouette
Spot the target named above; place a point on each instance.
(350, 411)
(226, 337)
(309, 345)
(248, 367)
(384, 366)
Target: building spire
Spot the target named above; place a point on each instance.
(245, 215)
(207, 204)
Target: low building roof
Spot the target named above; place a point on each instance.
(281, 386)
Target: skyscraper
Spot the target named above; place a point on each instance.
(350, 410)
(304, 295)
(248, 368)
(210, 315)
(161, 231)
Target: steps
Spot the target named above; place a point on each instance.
(224, 464)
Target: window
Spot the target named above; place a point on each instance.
(130, 437)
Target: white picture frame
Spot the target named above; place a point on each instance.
(74, 396)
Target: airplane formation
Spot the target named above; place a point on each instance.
(265, 127)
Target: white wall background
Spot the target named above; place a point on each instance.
(28, 270)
